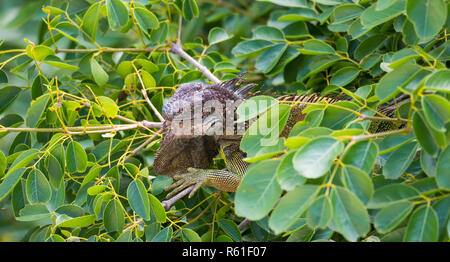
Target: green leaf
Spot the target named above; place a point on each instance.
(218, 35)
(109, 107)
(138, 199)
(125, 236)
(145, 19)
(368, 46)
(347, 12)
(391, 216)
(34, 212)
(422, 226)
(350, 217)
(288, 3)
(117, 14)
(7, 95)
(316, 64)
(437, 111)
(2, 164)
(258, 191)
(113, 216)
(399, 161)
(390, 194)
(383, 4)
(268, 58)
(22, 160)
(291, 206)
(372, 17)
(90, 20)
(316, 47)
(357, 181)
(61, 65)
(320, 213)
(439, 81)
(3, 77)
(10, 182)
(189, 235)
(388, 86)
(443, 169)
(96, 189)
(83, 221)
(250, 47)
(100, 76)
(36, 110)
(231, 229)
(164, 235)
(314, 159)
(253, 107)
(38, 188)
(298, 14)
(157, 209)
(54, 171)
(148, 79)
(287, 177)
(39, 52)
(76, 158)
(344, 76)
(361, 154)
(268, 33)
(428, 17)
(190, 9)
(428, 164)
(424, 134)
(261, 139)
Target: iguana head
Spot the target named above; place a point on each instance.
(195, 116)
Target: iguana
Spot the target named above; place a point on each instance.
(187, 157)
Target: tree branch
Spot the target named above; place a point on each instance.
(168, 203)
(137, 149)
(106, 50)
(176, 49)
(381, 134)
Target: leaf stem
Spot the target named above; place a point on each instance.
(382, 134)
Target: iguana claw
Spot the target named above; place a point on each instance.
(194, 176)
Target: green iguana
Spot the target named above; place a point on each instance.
(187, 156)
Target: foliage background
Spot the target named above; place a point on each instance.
(390, 186)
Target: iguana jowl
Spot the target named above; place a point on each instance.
(187, 157)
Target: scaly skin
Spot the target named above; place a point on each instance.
(187, 158)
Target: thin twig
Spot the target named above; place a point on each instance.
(180, 21)
(85, 129)
(382, 134)
(366, 117)
(106, 50)
(243, 223)
(144, 93)
(176, 49)
(143, 123)
(169, 202)
(137, 149)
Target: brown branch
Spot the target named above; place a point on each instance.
(244, 223)
(168, 203)
(176, 49)
(137, 149)
(144, 93)
(143, 123)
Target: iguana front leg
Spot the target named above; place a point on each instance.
(221, 179)
(224, 180)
